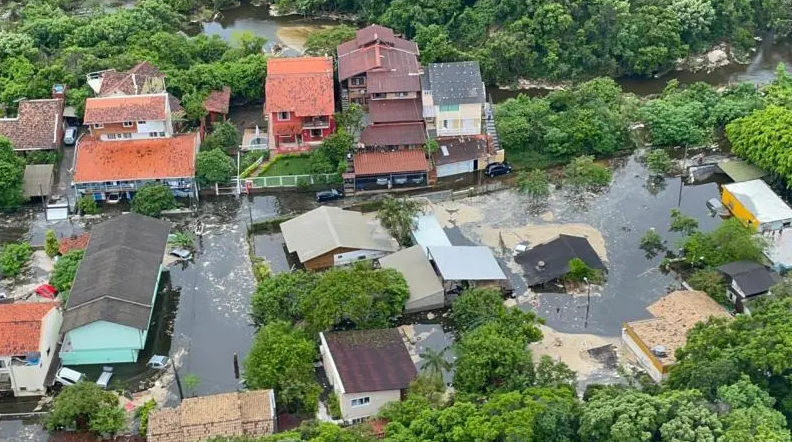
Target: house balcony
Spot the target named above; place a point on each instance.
(317, 123)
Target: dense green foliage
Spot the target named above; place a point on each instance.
(85, 406)
(12, 174)
(224, 136)
(682, 223)
(583, 173)
(51, 243)
(13, 258)
(398, 217)
(142, 413)
(282, 358)
(367, 297)
(87, 205)
(658, 162)
(325, 41)
(152, 199)
(730, 241)
(535, 184)
(214, 166)
(762, 138)
(65, 270)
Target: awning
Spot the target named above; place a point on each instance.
(739, 170)
(38, 180)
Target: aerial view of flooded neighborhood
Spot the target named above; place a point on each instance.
(408, 220)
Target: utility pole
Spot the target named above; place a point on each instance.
(236, 366)
(588, 301)
(178, 382)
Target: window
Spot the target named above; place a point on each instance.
(402, 94)
(449, 108)
(358, 81)
(162, 134)
(283, 116)
(153, 134)
(98, 126)
(48, 350)
(111, 136)
(379, 95)
(127, 123)
(141, 122)
(359, 420)
(357, 402)
(126, 136)
(2, 363)
(316, 133)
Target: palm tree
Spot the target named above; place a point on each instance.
(397, 216)
(434, 362)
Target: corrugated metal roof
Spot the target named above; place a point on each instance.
(417, 271)
(428, 232)
(395, 111)
(760, 200)
(466, 263)
(739, 170)
(393, 134)
(456, 83)
(38, 180)
(324, 229)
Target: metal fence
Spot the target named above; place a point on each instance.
(290, 180)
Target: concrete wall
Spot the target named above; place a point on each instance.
(433, 301)
(138, 130)
(465, 121)
(357, 255)
(647, 361)
(102, 342)
(377, 400)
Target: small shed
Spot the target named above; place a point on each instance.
(38, 180)
(462, 154)
(466, 263)
(426, 291)
(756, 205)
(747, 280)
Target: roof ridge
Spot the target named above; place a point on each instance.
(331, 226)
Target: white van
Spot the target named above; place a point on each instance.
(67, 376)
(104, 378)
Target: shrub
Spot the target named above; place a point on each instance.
(51, 243)
(333, 406)
(13, 258)
(584, 174)
(261, 269)
(65, 270)
(152, 199)
(579, 271)
(87, 205)
(143, 414)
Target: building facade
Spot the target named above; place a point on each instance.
(453, 98)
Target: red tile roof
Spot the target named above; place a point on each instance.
(79, 242)
(371, 360)
(379, 35)
(399, 161)
(122, 108)
(393, 134)
(155, 158)
(303, 85)
(218, 101)
(20, 326)
(131, 82)
(395, 111)
(36, 125)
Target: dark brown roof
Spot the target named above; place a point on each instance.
(36, 125)
(378, 57)
(393, 134)
(371, 360)
(384, 82)
(399, 161)
(218, 101)
(376, 34)
(464, 148)
(395, 111)
(137, 80)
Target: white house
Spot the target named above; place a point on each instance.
(453, 98)
(129, 117)
(367, 369)
(28, 341)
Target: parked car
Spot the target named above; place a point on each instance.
(46, 291)
(158, 362)
(382, 181)
(181, 254)
(70, 136)
(113, 198)
(104, 378)
(67, 376)
(329, 195)
(497, 169)
(400, 180)
(717, 208)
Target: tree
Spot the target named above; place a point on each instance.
(65, 270)
(475, 307)
(224, 136)
(324, 41)
(782, 289)
(584, 174)
(87, 205)
(434, 362)
(214, 166)
(682, 223)
(13, 258)
(50, 243)
(191, 382)
(336, 146)
(281, 358)
(652, 243)
(152, 199)
(658, 162)
(12, 173)
(730, 241)
(759, 137)
(579, 271)
(398, 217)
(278, 297)
(248, 43)
(535, 184)
(85, 406)
(711, 282)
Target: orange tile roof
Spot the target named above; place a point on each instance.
(218, 101)
(155, 158)
(122, 108)
(20, 326)
(79, 242)
(399, 161)
(303, 85)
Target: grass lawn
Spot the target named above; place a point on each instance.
(291, 165)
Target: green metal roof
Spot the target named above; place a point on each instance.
(739, 170)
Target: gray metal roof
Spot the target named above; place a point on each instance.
(760, 200)
(739, 170)
(417, 271)
(118, 276)
(38, 180)
(456, 83)
(466, 263)
(326, 228)
(428, 232)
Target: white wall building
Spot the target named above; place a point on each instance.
(453, 98)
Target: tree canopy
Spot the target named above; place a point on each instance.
(85, 406)
(152, 199)
(12, 173)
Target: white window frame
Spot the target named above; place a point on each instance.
(315, 135)
(126, 136)
(359, 420)
(280, 116)
(128, 124)
(98, 125)
(111, 136)
(141, 122)
(361, 401)
(402, 94)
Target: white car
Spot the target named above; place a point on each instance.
(70, 136)
(67, 376)
(158, 362)
(104, 378)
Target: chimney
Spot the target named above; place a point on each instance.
(59, 91)
(540, 266)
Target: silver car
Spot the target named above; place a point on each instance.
(717, 208)
(70, 136)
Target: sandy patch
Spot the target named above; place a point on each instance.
(455, 213)
(537, 234)
(295, 36)
(571, 349)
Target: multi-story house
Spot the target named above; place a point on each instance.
(143, 78)
(299, 102)
(29, 334)
(131, 142)
(38, 124)
(453, 99)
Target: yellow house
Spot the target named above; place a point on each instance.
(756, 205)
(453, 98)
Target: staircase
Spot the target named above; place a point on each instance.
(344, 99)
(349, 187)
(489, 124)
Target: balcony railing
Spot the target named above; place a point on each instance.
(316, 124)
